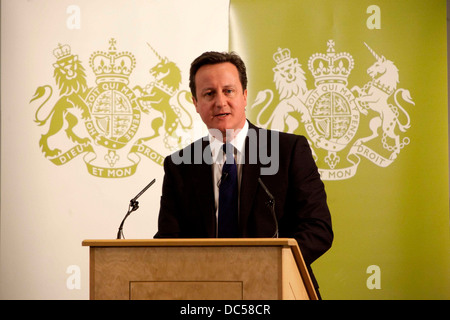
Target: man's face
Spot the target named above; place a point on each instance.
(220, 100)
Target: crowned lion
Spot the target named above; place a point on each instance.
(70, 78)
(290, 82)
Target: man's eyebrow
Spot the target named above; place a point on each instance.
(229, 86)
(208, 89)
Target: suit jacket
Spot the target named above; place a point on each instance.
(187, 202)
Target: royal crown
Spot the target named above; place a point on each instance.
(281, 55)
(111, 65)
(62, 51)
(331, 67)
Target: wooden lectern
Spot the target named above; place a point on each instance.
(198, 269)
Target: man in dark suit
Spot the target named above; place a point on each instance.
(278, 185)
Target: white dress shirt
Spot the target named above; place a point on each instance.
(218, 157)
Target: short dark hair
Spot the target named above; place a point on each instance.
(213, 57)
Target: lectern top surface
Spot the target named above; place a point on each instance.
(189, 242)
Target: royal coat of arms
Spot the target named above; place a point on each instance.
(112, 112)
(331, 112)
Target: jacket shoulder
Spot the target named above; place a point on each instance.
(284, 137)
(191, 154)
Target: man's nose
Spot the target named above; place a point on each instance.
(221, 100)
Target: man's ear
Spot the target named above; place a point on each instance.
(194, 101)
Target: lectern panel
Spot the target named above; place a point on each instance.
(257, 268)
(186, 290)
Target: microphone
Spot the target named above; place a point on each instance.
(133, 206)
(271, 204)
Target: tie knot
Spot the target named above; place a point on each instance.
(228, 150)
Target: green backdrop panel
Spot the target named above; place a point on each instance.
(366, 83)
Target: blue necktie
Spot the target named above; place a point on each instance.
(228, 196)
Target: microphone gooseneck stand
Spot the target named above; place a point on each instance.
(271, 205)
(133, 206)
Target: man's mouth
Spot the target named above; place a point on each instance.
(221, 115)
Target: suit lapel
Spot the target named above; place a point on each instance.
(204, 192)
(250, 175)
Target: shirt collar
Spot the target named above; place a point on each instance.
(238, 143)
